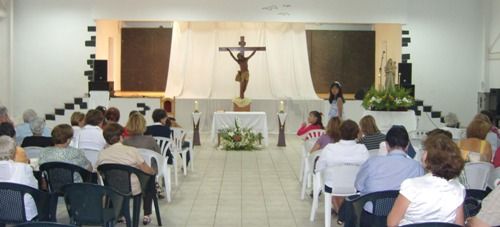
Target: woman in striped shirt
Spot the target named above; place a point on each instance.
(372, 137)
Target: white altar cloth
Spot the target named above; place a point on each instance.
(386, 119)
(257, 121)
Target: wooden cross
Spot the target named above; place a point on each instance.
(242, 47)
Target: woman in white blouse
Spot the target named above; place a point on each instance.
(437, 196)
(15, 172)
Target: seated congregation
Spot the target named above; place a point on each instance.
(92, 144)
(434, 180)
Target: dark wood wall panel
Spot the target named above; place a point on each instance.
(145, 58)
(345, 56)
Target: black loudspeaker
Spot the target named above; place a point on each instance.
(100, 70)
(404, 71)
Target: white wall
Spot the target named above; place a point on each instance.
(49, 53)
(493, 48)
(447, 53)
(446, 48)
(5, 54)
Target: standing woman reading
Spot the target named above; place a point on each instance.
(336, 101)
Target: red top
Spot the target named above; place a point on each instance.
(304, 129)
(496, 160)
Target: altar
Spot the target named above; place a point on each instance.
(257, 121)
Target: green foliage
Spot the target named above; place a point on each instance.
(239, 139)
(392, 99)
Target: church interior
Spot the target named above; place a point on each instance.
(242, 81)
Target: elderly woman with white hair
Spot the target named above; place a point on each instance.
(23, 130)
(4, 114)
(37, 140)
(15, 172)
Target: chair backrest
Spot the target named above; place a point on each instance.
(373, 152)
(164, 143)
(494, 178)
(382, 203)
(314, 134)
(118, 176)
(91, 204)
(12, 203)
(91, 155)
(44, 224)
(432, 224)
(59, 174)
(153, 159)
(344, 176)
(472, 202)
(33, 152)
(178, 135)
(477, 174)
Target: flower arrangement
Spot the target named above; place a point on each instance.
(239, 139)
(391, 99)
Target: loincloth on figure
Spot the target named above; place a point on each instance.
(242, 76)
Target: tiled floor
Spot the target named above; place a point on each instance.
(229, 188)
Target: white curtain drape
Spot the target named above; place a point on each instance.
(198, 70)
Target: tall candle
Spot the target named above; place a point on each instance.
(282, 106)
(196, 106)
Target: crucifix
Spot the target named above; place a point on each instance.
(243, 75)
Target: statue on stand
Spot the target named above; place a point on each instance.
(390, 73)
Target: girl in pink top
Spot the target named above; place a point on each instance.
(314, 122)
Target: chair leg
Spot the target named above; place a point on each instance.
(316, 190)
(175, 172)
(304, 186)
(168, 183)
(301, 173)
(126, 211)
(184, 162)
(136, 210)
(192, 155)
(157, 209)
(328, 209)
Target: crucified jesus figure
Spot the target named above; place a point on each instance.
(243, 75)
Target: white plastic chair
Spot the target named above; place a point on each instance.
(494, 177)
(92, 156)
(309, 138)
(343, 185)
(307, 163)
(477, 175)
(163, 169)
(33, 152)
(316, 188)
(166, 144)
(374, 152)
(178, 136)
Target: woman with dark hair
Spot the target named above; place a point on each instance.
(112, 115)
(314, 122)
(437, 196)
(336, 100)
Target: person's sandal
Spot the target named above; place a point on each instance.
(146, 220)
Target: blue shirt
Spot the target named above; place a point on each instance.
(334, 110)
(24, 130)
(381, 173)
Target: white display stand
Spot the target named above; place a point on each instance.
(386, 119)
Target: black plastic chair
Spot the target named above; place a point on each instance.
(118, 177)
(59, 174)
(472, 202)
(353, 214)
(91, 204)
(432, 224)
(12, 209)
(43, 224)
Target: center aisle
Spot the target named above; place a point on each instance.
(231, 188)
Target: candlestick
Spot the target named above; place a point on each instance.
(196, 106)
(282, 106)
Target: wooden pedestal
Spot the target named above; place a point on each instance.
(236, 108)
